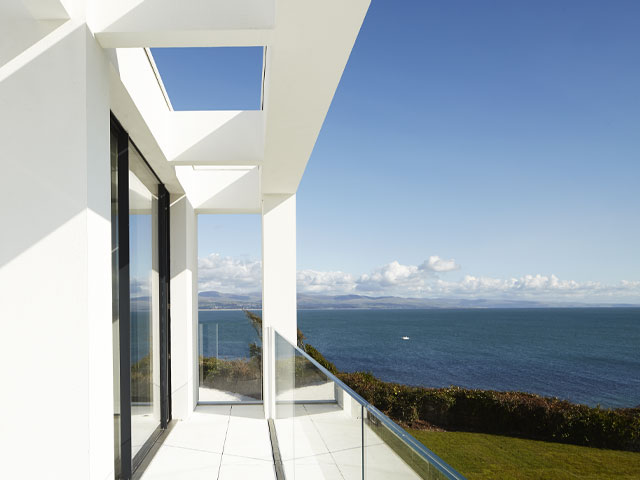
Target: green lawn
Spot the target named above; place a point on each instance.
(479, 456)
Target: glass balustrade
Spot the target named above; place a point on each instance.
(326, 430)
(230, 358)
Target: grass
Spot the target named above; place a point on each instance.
(480, 456)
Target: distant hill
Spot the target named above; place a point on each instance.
(213, 300)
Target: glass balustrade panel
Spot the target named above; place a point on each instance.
(325, 430)
(284, 421)
(388, 455)
(319, 425)
(230, 357)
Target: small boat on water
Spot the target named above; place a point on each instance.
(405, 338)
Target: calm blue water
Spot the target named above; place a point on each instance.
(589, 355)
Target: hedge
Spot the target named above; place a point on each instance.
(242, 376)
(504, 413)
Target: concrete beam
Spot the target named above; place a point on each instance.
(224, 190)
(312, 45)
(158, 23)
(186, 38)
(215, 138)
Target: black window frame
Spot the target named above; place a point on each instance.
(128, 465)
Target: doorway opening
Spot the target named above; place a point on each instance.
(229, 309)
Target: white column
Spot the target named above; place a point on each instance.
(55, 260)
(184, 307)
(279, 306)
(99, 316)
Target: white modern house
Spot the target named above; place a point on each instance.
(102, 183)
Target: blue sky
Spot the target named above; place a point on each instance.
(503, 137)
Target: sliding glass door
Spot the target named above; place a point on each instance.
(144, 301)
(140, 308)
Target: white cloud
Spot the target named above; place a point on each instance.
(404, 280)
(330, 283)
(436, 264)
(536, 287)
(393, 277)
(229, 275)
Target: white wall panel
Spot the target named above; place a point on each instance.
(55, 289)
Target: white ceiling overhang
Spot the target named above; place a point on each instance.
(308, 44)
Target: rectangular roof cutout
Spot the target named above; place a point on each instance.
(211, 78)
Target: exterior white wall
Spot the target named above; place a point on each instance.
(279, 308)
(55, 261)
(184, 307)
(18, 35)
(99, 263)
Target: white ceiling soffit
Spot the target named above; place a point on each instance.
(215, 137)
(190, 137)
(312, 44)
(220, 190)
(183, 23)
(138, 103)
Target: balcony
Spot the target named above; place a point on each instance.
(321, 430)
(215, 442)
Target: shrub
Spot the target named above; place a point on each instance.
(506, 413)
(141, 380)
(243, 376)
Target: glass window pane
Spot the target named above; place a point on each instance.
(144, 292)
(115, 307)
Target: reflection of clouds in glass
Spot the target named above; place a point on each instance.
(140, 287)
(140, 244)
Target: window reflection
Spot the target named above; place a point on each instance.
(144, 294)
(115, 307)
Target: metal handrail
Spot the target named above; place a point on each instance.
(442, 466)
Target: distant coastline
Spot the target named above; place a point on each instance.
(218, 301)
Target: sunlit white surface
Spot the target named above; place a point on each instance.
(215, 395)
(216, 442)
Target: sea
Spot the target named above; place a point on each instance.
(584, 355)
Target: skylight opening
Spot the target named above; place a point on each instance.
(211, 78)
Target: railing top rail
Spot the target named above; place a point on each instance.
(442, 466)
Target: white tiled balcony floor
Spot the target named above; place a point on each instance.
(318, 441)
(216, 442)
